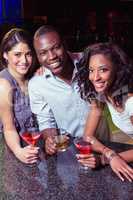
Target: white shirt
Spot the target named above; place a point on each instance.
(57, 103)
(122, 119)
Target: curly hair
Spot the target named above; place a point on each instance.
(122, 72)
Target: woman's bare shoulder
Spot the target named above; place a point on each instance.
(4, 84)
(5, 89)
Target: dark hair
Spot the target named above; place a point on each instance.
(122, 82)
(13, 37)
(48, 29)
(45, 29)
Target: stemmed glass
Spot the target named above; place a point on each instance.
(31, 137)
(83, 147)
(30, 133)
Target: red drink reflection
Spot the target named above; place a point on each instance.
(31, 138)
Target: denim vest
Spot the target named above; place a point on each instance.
(24, 119)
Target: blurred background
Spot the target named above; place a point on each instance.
(81, 22)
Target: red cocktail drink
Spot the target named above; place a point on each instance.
(83, 147)
(31, 138)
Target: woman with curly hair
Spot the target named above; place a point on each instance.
(106, 77)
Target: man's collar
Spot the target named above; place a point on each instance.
(75, 57)
(48, 73)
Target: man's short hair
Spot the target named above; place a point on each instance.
(45, 29)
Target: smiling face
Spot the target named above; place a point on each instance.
(100, 72)
(50, 52)
(19, 58)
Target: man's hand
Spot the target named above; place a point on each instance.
(40, 71)
(48, 136)
(50, 145)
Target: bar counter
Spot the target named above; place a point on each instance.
(58, 177)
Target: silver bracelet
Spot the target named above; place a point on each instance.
(91, 140)
(110, 155)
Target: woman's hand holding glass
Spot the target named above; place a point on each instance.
(117, 163)
(30, 153)
(27, 154)
(89, 160)
(85, 156)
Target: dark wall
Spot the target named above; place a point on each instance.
(82, 22)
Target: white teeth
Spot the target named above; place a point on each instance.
(99, 84)
(54, 65)
(22, 67)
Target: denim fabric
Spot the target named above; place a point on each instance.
(23, 117)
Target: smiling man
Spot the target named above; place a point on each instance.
(55, 96)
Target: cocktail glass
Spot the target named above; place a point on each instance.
(83, 147)
(31, 137)
(62, 140)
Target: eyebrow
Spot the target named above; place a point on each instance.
(18, 51)
(100, 66)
